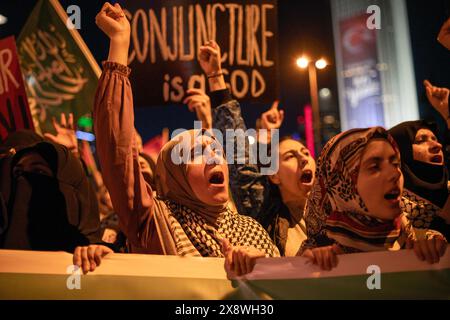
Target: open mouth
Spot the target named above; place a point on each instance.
(393, 194)
(437, 159)
(306, 176)
(216, 178)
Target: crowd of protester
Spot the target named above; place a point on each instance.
(370, 189)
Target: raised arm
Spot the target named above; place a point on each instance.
(439, 99)
(114, 128)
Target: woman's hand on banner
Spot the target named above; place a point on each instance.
(272, 118)
(325, 257)
(430, 249)
(239, 261)
(90, 257)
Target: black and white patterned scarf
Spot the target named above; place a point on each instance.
(196, 237)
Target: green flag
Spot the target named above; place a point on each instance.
(60, 72)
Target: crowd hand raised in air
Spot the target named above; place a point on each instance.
(113, 22)
(90, 257)
(239, 261)
(65, 133)
(199, 102)
(271, 119)
(438, 98)
(209, 60)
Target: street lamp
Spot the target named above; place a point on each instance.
(321, 64)
(303, 63)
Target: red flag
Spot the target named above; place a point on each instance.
(154, 145)
(14, 110)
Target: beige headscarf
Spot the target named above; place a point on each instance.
(172, 182)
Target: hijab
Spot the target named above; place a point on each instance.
(426, 185)
(20, 139)
(171, 178)
(197, 227)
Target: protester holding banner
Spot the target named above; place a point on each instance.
(355, 202)
(14, 142)
(426, 194)
(189, 214)
(277, 201)
(425, 163)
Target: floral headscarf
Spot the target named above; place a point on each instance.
(335, 211)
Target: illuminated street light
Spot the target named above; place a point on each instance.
(324, 93)
(3, 19)
(303, 63)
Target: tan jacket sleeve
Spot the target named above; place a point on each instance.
(114, 129)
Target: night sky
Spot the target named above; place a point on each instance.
(303, 27)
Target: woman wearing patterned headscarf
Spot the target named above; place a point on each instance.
(426, 194)
(355, 201)
(189, 214)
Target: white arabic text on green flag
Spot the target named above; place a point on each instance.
(60, 72)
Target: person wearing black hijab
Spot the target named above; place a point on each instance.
(425, 173)
(14, 142)
(50, 205)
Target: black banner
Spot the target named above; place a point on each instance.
(166, 35)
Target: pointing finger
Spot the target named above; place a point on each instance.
(275, 105)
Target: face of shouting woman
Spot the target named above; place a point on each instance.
(427, 149)
(207, 171)
(296, 171)
(380, 180)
